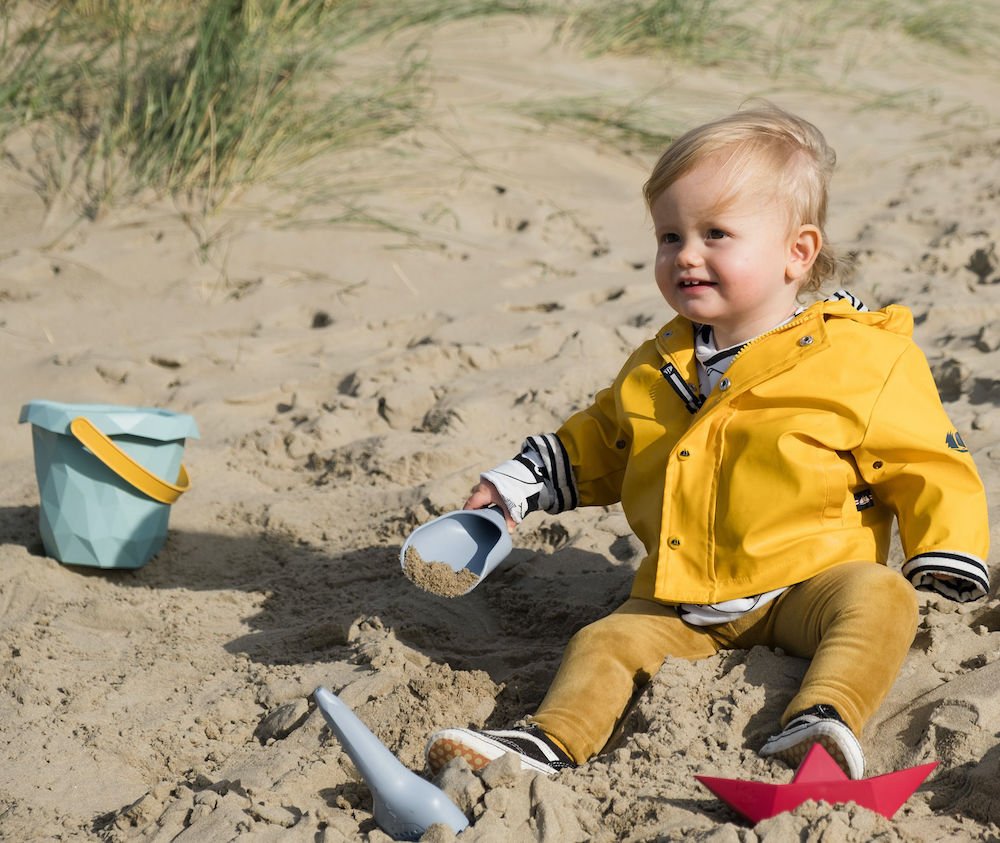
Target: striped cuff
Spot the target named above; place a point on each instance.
(521, 482)
(557, 466)
(538, 478)
(969, 577)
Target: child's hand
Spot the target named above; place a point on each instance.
(485, 494)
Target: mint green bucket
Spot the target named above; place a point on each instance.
(104, 501)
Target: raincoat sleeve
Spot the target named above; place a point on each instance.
(539, 477)
(581, 464)
(917, 464)
(597, 448)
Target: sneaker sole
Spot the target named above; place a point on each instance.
(477, 750)
(795, 755)
(814, 733)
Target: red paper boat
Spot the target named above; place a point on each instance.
(821, 779)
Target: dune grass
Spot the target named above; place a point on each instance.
(717, 31)
(181, 99)
(30, 84)
(202, 98)
(955, 26)
(205, 97)
(241, 103)
(626, 126)
(699, 30)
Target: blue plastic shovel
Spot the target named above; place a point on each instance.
(405, 805)
(475, 540)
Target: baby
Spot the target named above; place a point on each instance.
(760, 451)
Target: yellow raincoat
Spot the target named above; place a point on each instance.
(821, 431)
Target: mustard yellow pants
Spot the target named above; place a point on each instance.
(855, 621)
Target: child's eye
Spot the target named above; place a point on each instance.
(669, 237)
(716, 234)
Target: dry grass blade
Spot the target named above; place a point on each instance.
(628, 127)
(698, 29)
(195, 98)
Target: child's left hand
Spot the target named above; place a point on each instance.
(485, 494)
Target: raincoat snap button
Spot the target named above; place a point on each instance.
(684, 454)
(724, 384)
(806, 340)
(673, 541)
(877, 464)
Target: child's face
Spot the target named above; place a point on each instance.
(735, 265)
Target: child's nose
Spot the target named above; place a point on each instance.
(688, 256)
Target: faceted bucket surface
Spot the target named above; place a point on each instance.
(88, 514)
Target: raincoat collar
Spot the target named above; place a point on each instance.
(771, 352)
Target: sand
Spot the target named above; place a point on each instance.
(437, 577)
(350, 383)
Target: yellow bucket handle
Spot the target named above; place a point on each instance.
(125, 467)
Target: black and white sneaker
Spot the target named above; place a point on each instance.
(823, 725)
(529, 743)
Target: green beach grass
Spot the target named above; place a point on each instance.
(717, 31)
(189, 98)
(206, 97)
(202, 97)
(629, 127)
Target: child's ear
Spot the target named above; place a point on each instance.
(803, 251)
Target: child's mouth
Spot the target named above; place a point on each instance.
(688, 284)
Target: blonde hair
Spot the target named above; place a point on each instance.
(772, 150)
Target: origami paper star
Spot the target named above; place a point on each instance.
(820, 778)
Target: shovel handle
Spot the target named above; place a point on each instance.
(136, 475)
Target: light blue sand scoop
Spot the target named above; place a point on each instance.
(475, 540)
(405, 805)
